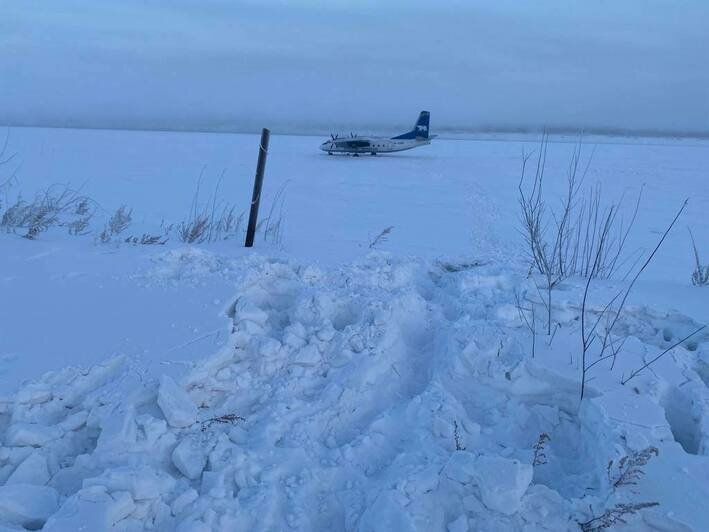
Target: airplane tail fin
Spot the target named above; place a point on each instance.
(421, 126)
(420, 130)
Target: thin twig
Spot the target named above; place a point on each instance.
(636, 372)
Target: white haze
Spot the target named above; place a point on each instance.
(315, 66)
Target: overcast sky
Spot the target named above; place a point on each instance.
(317, 66)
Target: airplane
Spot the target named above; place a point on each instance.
(356, 145)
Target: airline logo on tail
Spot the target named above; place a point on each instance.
(420, 129)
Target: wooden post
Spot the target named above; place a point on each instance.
(258, 183)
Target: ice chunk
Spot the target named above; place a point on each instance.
(193, 526)
(213, 484)
(326, 334)
(356, 343)
(542, 505)
(622, 406)
(33, 470)
(75, 421)
(250, 312)
(22, 434)
(14, 455)
(91, 509)
(224, 374)
(502, 482)
(27, 505)
(68, 480)
(176, 404)
(34, 393)
(238, 435)
(120, 508)
(153, 428)
(308, 356)
(269, 347)
(142, 482)
(190, 457)
(387, 513)
(460, 467)
(459, 525)
(118, 432)
(294, 335)
(184, 500)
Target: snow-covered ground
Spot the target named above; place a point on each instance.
(320, 383)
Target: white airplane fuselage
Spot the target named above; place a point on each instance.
(371, 145)
(356, 145)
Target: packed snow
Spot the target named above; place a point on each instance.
(327, 380)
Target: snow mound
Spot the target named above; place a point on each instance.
(387, 394)
(187, 265)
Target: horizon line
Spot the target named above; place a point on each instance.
(320, 131)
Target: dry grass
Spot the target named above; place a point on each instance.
(226, 419)
(382, 237)
(626, 472)
(603, 336)
(580, 238)
(211, 221)
(617, 515)
(700, 275)
(540, 457)
(57, 206)
(117, 223)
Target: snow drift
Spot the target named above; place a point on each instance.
(385, 394)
